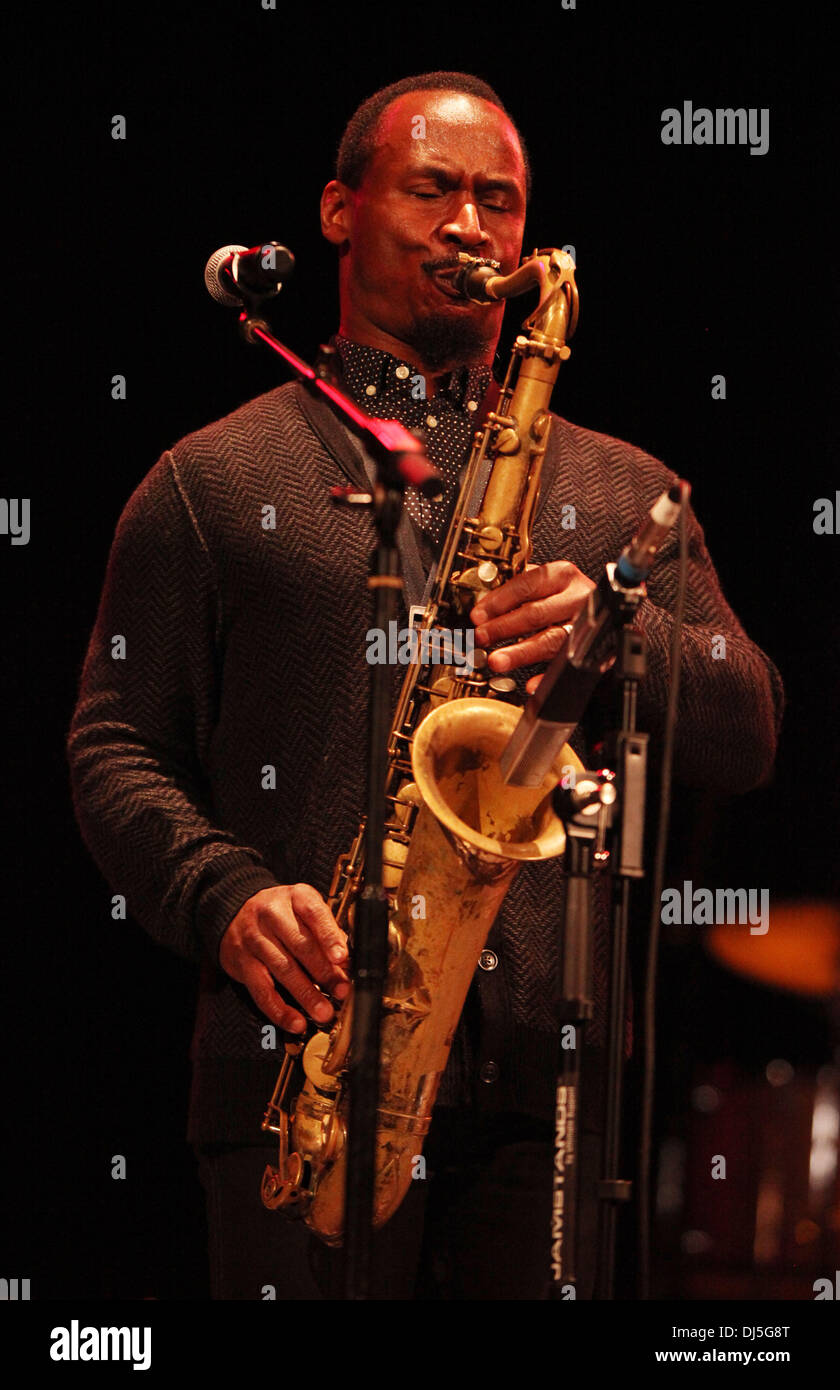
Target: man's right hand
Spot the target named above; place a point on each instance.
(287, 934)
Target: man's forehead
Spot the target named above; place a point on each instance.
(454, 126)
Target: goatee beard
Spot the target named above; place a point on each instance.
(442, 343)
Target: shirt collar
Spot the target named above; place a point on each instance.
(387, 374)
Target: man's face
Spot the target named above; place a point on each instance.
(447, 176)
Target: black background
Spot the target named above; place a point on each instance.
(692, 262)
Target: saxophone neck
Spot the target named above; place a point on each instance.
(551, 270)
(556, 314)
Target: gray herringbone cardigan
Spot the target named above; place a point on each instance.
(244, 646)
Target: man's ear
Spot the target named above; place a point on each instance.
(337, 212)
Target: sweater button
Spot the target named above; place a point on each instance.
(489, 1072)
(488, 960)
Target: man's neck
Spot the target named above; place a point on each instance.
(368, 335)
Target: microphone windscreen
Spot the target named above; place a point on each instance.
(211, 276)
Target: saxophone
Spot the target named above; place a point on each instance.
(455, 834)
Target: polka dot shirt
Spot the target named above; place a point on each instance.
(391, 389)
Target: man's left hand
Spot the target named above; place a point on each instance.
(531, 610)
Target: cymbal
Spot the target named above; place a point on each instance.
(800, 951)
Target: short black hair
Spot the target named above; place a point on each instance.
(358, 142)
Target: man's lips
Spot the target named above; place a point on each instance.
(442, 278)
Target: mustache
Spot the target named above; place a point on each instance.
(451, 263)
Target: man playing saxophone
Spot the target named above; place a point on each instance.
(218, 769)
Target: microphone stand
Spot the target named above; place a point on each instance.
(400, 459)
(370, 945)
(598, 801)
(584, 810)
(547, 722)
(630, 759)
(393, 448)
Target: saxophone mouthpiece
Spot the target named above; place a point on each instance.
(471, 278)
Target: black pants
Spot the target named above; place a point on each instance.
(476, 1227)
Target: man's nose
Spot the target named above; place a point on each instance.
(466, 227)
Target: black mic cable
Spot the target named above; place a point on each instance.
(649, 1073)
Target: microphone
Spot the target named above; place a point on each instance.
(235, 272)
(559, 701)
(635, 561)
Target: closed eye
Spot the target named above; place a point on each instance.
(491, 207)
